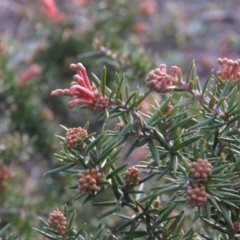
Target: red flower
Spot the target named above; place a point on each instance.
(148, 7)
(52, 12)
(81, 90)
(51, 8)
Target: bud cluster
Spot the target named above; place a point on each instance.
(158, 80)
(4, 174)
(100, 102)
(73, 135)
(87, 182)
(57, 221)
(236, 226)
(119, 126)
(201, 169)
(228, 69)
(196, 195)
(132, 176)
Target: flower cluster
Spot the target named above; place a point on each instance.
(228, 69)
(158, 80)
(132, 176)
(4, 174)
(201, 169)
(196, 195)
(87, 182)
(82, 92)
(57, 221)
(73, 135)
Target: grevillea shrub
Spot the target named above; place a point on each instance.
(187, 185)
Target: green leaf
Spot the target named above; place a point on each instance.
(184, 103)
(142, 97)
(114, 89)
(224, 92)
(206, 83)
(119, 84)
(219, 169)
(108, 203)
(205, 237)
(107, 213)
(188, 235)
(103, 81)
(48, 236)
(145, 178)
(134, 104)
(95, 142)
(105, 153)
(161, 139)
(131, 148)
(207, 210)
(96, 80)
(203, 123)
(126, 129)
(4, 229)
(178, 223)
(44, 222)
(214, 225)
(191, 72)
(186, 143)
(167, 189)
(214, 202)
(165, 171)
(180, 123)
(79, 231)
(88, 54)
(97, 235)
(125, 224)
(154, 152)
(164, 212)
(132, 231)
(130, 98)
(116, 171)
(63, 168)
(70, 222)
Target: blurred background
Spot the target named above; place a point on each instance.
(39, 39)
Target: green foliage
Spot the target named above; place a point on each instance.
(174, 140)
(160, 140)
